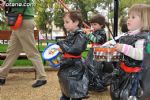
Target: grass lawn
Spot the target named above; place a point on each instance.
(18, 63)
(26, 62)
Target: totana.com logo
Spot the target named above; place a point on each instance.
(18, 4)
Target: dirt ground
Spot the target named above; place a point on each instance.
(18, 87)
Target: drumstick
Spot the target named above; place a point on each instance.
(63, 4)
(113, 41)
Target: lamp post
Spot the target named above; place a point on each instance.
(116, 8)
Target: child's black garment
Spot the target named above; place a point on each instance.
(63, 97)
(128, 82)
(146, 71)
(72, 74)
(95, 68)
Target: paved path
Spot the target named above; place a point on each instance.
(18, 87)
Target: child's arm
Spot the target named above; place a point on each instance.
(63, 46)
(79, 45)
(133, 52)
(97, 39)
(76, 48)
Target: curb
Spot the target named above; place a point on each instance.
(30, 69)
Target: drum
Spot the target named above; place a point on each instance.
(106, 54)
(52, 55)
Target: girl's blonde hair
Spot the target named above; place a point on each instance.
(143, 11)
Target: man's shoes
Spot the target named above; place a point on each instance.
(39, 83)
(2, 81)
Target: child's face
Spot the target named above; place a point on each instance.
(133, 22)
(69, 25)
(96, 26)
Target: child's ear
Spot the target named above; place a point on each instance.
(77, 22)
(101, 26)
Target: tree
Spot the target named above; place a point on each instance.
(48, 11)
(83, 5)
(3, 24)
(43, 15)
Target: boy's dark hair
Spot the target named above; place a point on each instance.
(75, 16)
(98, 18)
(124, 28)
(123, 24)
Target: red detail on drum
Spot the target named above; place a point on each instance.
(67, 55)
(130, 69)
(95, 44)
(104, 49)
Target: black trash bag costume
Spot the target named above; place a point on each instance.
(95, 68)
(72, 74)
(127, 84)
(146, 71)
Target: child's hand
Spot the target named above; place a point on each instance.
(118, 47)
(59, 49)
(87, 31)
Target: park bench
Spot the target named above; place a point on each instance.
(60, 38)
(5, 35)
